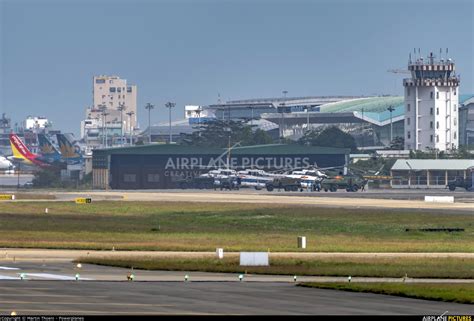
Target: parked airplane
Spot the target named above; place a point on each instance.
(22, 155)
(6, 164)
(69, 152)
(47, 150)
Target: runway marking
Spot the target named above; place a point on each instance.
(54, 276)
(85, 312)
(6, 277)
(58, 295)
(90, 303)
(8, 268)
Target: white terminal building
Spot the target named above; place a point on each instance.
(113, 113)
(431, 105)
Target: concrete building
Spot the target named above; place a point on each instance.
(35, 123)
(431, 105)
(113, 98)
(466, 123)
(429, 173)
(161, 166)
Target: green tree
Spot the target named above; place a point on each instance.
(329, 137)
(219, 133)
(47, 178)
(398, 143)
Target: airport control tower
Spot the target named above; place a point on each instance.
(431, 104)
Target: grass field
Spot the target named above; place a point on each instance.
(234, 227)
(373, 267)
(460, 293)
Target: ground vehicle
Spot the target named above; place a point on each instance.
(350, 183)
(254, 181)
(287, 183)
(200, 182)
(460, 182)
(229, 182)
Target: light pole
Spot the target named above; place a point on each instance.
(121, 108)
(149, 107)
(102, 109)
(282, 105)
(391, 109)
(130, 114)
(307, 119)
(170, 105)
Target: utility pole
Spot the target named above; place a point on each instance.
(391, 109)
(282, 105)
(149, 107)
(121, 108)
(130, 114)
(102, 109)
(170, 105)
(307, 119)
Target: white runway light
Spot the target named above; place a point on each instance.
(186, 277)
(349, 278)
(79, 265)
(241, 276)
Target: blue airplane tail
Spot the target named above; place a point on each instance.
(46, 149)
(69, 152)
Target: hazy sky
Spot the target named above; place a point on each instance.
(189, 51)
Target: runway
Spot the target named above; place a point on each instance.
(53, 284)
(378, 199)
(87, 298)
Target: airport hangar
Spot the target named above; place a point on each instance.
(162, 166)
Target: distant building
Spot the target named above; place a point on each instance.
(466, 123)
(35, 123)
(431, 105)
(105, 117)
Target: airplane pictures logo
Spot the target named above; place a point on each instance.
(277, 163)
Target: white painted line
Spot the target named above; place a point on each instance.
(8, 268)
(53, 276)
(6, 277)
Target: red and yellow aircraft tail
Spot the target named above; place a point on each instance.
(22, 154)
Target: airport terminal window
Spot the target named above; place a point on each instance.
(153, 178)
(437, 125)
(129, 89)
(431, 95)
(408, 135)
(100, 81)
(112, 89)
(437, 111)
(408, 107)
(431, 125)
(431, 111)
(437, 95)
(431, 138)
(129, 178)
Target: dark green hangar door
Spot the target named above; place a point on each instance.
(164, 171)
